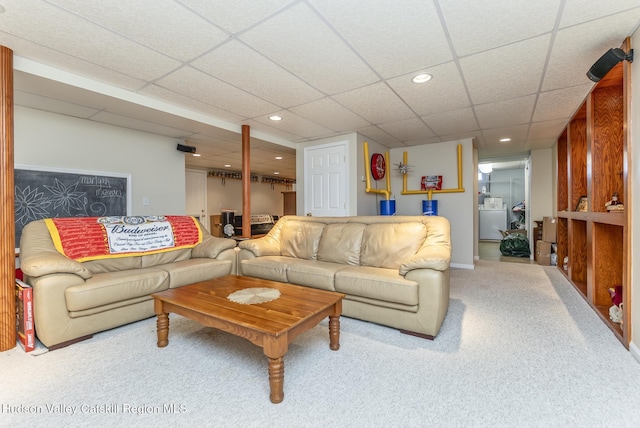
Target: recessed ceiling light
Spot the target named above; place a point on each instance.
(421, 78)
(505, 140)
(227, 166)
(197, 155)
(279, 157)
(276, 173)
(275, 117)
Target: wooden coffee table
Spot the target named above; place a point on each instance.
(271, 325)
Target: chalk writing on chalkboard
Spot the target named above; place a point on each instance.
(43, 193)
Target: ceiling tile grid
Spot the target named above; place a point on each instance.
(327, 67)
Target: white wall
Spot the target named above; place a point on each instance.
(543, 184)
(156, 167)
(368, 202)
(458, 208)
(634, 170)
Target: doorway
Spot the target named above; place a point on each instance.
(326, 182)
(503, 193)
(196, 195)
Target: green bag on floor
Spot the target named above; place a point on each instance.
(515, 245)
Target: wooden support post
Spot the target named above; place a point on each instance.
(246, 182)
(7, 214)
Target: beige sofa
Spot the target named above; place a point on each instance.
(73, 300)
(394, 270)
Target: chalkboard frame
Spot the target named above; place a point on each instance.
(71, 200)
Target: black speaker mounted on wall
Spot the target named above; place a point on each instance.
(610, 59)
(186, 149)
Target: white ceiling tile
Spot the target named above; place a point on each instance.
(294, 125)
(207, 89)
(167, 95)
(330, 114)
(476, 26)
(317, 50)
(391, 49)
(376, 103)
(442, 93)
(162, 25)
(406, 130)
(561, 103)
(547, 129)
(506, 113)
(516, 133)
(450, 122)
(241, 66)
(238, 15)
(579, 11)
(507, 72)
(376, 134)
(577, 48)
(97, 45)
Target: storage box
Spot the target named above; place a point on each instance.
(549, 229)
(543, 253)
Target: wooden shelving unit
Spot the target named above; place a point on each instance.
(593, 161)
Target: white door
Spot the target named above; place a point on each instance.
(196, 195)
(325, 181)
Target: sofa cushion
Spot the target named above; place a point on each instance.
(377, 283)
(407, 239)
(113, 264)
(300, 239)
(314, 273)
(341, 242)
(273, 268)
(195, 270)
(106, 288)
(150, 260)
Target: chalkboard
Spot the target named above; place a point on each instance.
(43, 193)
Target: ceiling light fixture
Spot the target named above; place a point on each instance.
(276, 173)
(421, 78)
(197, 155)
(505, 140)
(275, 118)
(279, 157)
(227, 166)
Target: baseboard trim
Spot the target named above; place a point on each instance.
(462, 266)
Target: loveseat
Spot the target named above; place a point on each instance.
(394, 270)
(74, 299)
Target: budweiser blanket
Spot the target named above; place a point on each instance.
(92, 238)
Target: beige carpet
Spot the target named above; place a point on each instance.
(518, 348)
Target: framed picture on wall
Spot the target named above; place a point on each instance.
(583, 204)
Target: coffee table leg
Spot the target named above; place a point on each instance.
(162, 325)
(334, 332)
(276, 379)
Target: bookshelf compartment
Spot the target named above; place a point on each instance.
(563, 191)
(578, 254)
(562, 244)
(607, 261)
(577, 152)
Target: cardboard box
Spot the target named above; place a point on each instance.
(543, 253)
(24, 316)
(549, 229)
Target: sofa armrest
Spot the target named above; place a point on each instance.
(268, 245)
(211, 247)
(47, 262)
(437, 258)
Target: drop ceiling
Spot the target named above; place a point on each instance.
(197, 70)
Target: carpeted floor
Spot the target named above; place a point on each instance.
(519, 348)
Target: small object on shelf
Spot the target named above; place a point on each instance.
(614, 205)
(583, 204)
(616, 314)
(565, 263)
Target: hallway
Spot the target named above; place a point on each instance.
(490, 250)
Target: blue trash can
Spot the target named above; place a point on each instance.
(388, 207)
(430, 207)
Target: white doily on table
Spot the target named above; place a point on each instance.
(250, 296)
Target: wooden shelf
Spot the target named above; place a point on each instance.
(592, 155)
